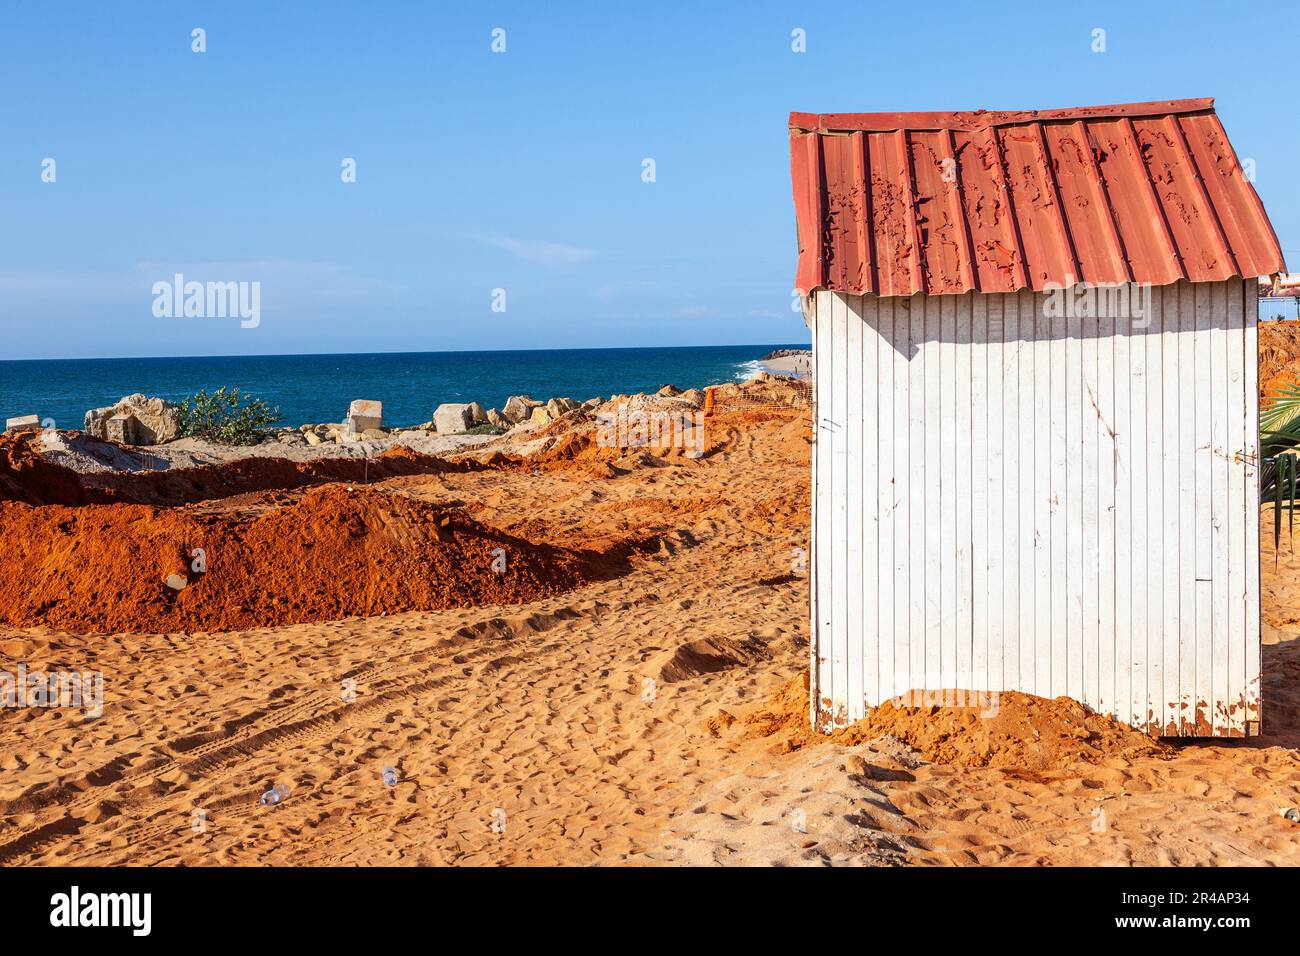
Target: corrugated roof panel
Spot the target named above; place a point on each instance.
(995, 243)
(1085, 205)
(898, 264)
(1148, 245)
(848, 261)
(1181, 195)
(940, 219)
(901, 203)
(1043, 234)
(1239, 211)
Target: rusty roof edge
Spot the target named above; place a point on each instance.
(1258, 202)
(974, 120)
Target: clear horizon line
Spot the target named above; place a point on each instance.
(599, 348)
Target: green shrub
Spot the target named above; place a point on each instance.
(220, 417)
(1279, 440)
(486, 429)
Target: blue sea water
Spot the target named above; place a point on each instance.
(318, 388)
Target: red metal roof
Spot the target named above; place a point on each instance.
(900, 203)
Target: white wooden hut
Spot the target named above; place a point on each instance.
(1036, 424)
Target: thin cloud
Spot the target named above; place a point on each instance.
(540, 251)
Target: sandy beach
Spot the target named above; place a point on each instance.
(631, 691)
(798, 362)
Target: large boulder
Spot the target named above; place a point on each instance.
(477, 413)
(494, 417)
(518, 408)
(452, 418)
(146, 421)
(365, 414)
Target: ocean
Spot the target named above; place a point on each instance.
(318, 388)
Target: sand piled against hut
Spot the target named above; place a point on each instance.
(1009, 730)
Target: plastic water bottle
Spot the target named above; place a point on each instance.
(275, 794)
(390, 776)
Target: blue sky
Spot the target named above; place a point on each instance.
(522, 170)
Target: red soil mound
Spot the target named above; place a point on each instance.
(25, 475)
(332, 554)
(1015, 731)
(1279, 357)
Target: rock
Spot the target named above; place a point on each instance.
(364, 414)
(670, 391)
(593, 403)
(156, 420)
(312, 438)
(559, 407)
(373, 433)
(519, 408)
(494, 417)
(694, 395)
(452, 418)
(177, 582)
(24, 423)
(477, 413)
(540, 416)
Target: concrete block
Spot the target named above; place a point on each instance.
(24, 423)
(365, 414)
(452, 418)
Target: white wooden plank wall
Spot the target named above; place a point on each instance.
(1005, 501)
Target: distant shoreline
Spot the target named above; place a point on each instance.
(319, 388)
(788, 362)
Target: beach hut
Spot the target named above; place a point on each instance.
(1036, 425)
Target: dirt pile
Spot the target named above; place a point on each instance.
(1279, 356)
(1011, 730)
(333, 553)
(28, 476)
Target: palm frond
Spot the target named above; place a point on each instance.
(1280, 410)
